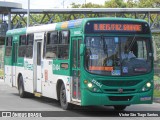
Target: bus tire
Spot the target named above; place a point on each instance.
(63, 100)
(120, 107)
(22, 93)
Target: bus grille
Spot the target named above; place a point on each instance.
(119, 83)
(117, 91)
(120, 98)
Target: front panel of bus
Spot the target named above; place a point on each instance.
(117, 63)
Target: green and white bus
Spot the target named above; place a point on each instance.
(90, 61)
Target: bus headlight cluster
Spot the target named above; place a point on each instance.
(91, 86)
(147, 86)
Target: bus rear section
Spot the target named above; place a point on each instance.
(117, 63)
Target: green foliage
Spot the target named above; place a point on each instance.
(1, 73)
(87, 5)
(157, 42)
(156, 86)
(115, 4)
(148, 3)
(74, 5)
(131, 4)
(156, 78)
(91, 5)
(121, 4)
(156, 93)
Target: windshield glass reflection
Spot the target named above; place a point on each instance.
(118, 55)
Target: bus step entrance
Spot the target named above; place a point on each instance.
(37, 94)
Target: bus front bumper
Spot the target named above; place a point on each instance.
(90, 98)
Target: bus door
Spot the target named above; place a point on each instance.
(38, 38)
(76, 41)
(14, 58)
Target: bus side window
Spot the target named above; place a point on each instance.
(22, 46)
(29, 47)
(8, 46)
(63, 47)
(142, 50)
(52, 37)
(51, 45)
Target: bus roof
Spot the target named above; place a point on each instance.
(16, 31)
(65, 25)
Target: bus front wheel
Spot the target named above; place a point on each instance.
(120, 107)
(63, 100)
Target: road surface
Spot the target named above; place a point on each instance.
(45, 107)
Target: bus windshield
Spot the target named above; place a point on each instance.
(118, 56)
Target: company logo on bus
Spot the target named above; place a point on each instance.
(120, 90)
(117, 27)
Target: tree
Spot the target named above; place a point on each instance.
(115, 4)
(131, 4)
(91, 5)
(148, 3)
(87, 5)
(74, 5)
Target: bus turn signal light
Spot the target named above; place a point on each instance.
(85, 81)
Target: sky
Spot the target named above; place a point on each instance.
(49, 4)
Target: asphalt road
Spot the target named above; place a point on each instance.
(10, 101)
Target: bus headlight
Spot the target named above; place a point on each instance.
(147, 86)
(90, 85)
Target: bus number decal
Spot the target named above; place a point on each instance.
(28, 66)
(97, 83)
(56, 67)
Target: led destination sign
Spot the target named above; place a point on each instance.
(117, 27)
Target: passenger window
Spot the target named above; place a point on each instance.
(63, 46)
(51, 45)
(57, 47)
(52, 38)
(29, 46)
(8, 51)
(22, 46)
(9, 41)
